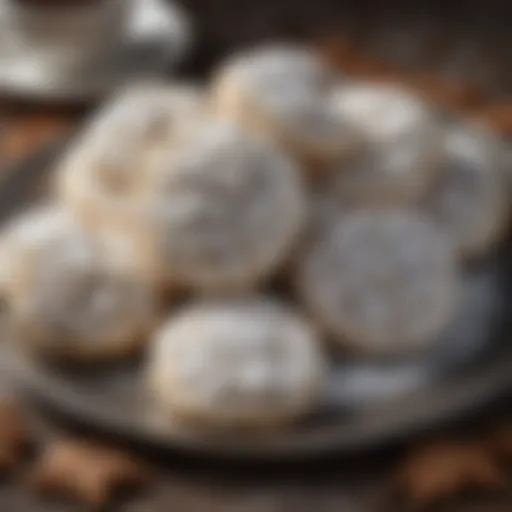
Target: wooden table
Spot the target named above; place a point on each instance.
(339, 485)
(23, 129)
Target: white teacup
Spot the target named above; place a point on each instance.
(65, 37)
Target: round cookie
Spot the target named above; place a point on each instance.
(244, 363)
(469, 197)
(71, 296)
(380, 282)
(401, 146)
(225, 210)
(104, 175)
(284, 92)
(21, 235)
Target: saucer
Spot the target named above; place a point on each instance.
(156, 38)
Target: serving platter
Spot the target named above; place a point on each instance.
(365, 403)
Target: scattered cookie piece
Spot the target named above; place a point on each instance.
(442, 469)
(14, 437)
(82, 471)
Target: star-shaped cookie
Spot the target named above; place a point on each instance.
(82, 471)
(442, 469)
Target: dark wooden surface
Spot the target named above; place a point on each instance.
(24, 129)
(357, 484)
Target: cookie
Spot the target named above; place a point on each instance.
(469, 198)
(380, 282)
(20, 235)
(283, 92)
(72, 296)
(226, 209)
(398, 158)
(103, 176)
(246, 363)
(85, 472)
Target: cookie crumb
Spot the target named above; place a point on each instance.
(82, 471)
(442, 469)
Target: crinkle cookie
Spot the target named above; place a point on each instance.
(72, 296)
(469, 199)
(243, 363)
(397, 161)
(104, 175)
(284, 92)
(381, 283)
(226, 209)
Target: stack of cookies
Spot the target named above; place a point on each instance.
(240, 234)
